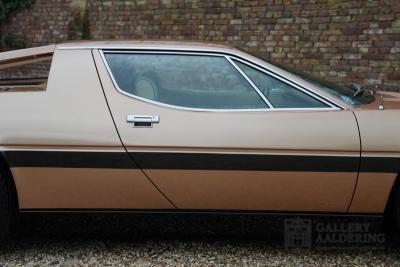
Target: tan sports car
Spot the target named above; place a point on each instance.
(176, 126)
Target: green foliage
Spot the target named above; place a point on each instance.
(11, 41)
(86, 26)
(79, 27)
(7, 7)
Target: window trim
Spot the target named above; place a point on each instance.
(174, 106)
(287, 82)
(229, 59)
(247, 78)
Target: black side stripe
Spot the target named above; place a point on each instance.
(62, 159)
(380, 164)
(201, 161)
(248, 162)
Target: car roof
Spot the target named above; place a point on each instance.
(161, 45)
(168, 45)
(34, 53)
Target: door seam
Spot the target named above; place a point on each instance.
(120, 139)
(359, 162)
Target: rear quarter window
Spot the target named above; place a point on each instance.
(26, 73)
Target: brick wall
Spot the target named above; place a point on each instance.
(340, 40)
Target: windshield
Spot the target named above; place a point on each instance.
(351, 94)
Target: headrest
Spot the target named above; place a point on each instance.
(146, 88)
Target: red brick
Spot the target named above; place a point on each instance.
(307, 34)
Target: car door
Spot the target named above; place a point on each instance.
(60, 141)
(207, 133)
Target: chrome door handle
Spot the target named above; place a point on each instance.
(143, 121)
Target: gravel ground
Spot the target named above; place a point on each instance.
(175, 240)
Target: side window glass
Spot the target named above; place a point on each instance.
(192, 81)
(280, 94)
